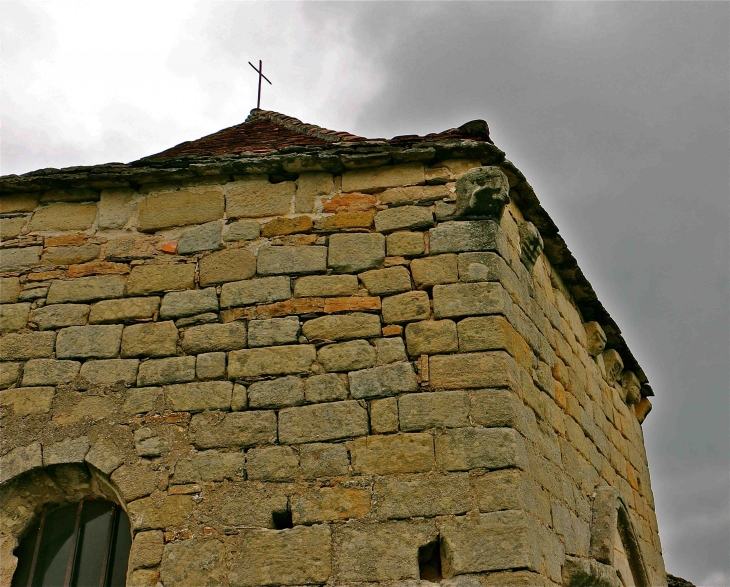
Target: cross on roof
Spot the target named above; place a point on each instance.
(260, 71)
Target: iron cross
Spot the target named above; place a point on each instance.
(260, 71)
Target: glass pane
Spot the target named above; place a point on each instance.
(24, 552)
(56, 545)
(120, 552)
(93, 543)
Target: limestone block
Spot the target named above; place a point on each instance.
(309, 186)
(153, 339)
(391, 454)
(321, 422)
(180, 208)
(464, 236)
(434, 271)
(110, 371)
(206, 237)
(393, 280)
(352, 253)
(245, 504)
(431, 337)
(359, 180)
(243, 230)
(31, 345)
(9, 290)
(188, 303)
(214, 337)
(463, 449)
(171, 510)
(383, 381)
(291, 260)
(13, 317)
(406, 307)
(60, 315)
(342, 327)
(210, 465)
(89, 342)
(384, 415)
(28, 400)
(212, 430)
(165, 371)
(344, 220)
(199, 396)
(390, 350)
(421, 496)
(211, 366)
(324, 388)
(124, 310)
(19, 460)
(146, 549)
(330, 504)
(281, 360)
(380, 552)
(323, 460)
(469, 299)
(272, 463)
(287, 226)
(105, 457)
(143, 400)
(403, 218)
(488, 542)
(63, 216)
(326, 286)
(126, 248)
(10, 374)
(12, 203)
(19, 259)
(298, 556)
(347, 356)
(135, 481)
(420, 411)
(273, 332)
(87, 289)
(255, 291)
(276, 393)
(495, 408)
(486, 266)
(255, 199)
(11, 227)
(70, 255)
(405, 244)
(413, 194)
(228, 265)
(69, 450)
(49, 372)
(146, 279)
(194, 563)
(116, 206)
(473, 370)
(70, 195)
(493, 333)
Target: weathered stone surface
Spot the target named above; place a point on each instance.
(13, 317)
(70, 195)
(210, 465)
(154, 339)
(383, 381)
(12, 203)
(124, 310)
(356, 325)
(286, 226)
(497, 408)
(104, 456)
(214, 337)
(19, 259)
(405, 244)
(211, 366)
(49, 372)
(386, 281)
(413, 194)
(60, 315)
(330, 504)
(421, 496)
(63, 216)
(188, 303)
(255, 199)
(110, 371)
(320, 422)
(11, 227)
(28, 400)
(351, 253)
(70, 255)
(281, 360)
(483, 191)
(180, 208)
(272, 463)
(146, 279)
(381, 552)
(431, 337)
(309, 186)
(248, 504)
(69, 450)
(299, 556)
(434, 271)
(9, 374)
(463, 236)
(403, 218)
(164, 371)
(31, 345)
(386, 455)
(469, 299)
(243, 230)
(206, 237)
(228, 265)
(347, 356)
(89, 342)
(493, 333)
(326, 286)
(193, 563)
(323, 460)
(291, 260)
(9, 290)
(171, 510)
(277, 393)
(325, 388)
(344, 220)
(406, 307)
(384, 415)
(199, 396)
(19, 460)
(214, 430)
(143, 400)
(147, 444)
(596, 338)
(473, 370)
(146, 549)
(420, 411)
(86, 289)
(116, 206)
(135, 481)
(387, 176)
(273, 332)
(463, 449)
(390, 350)
(255, 291)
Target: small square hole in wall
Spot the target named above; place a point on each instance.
(282, 519)
(429, 562)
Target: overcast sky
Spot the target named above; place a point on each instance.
(617, 113)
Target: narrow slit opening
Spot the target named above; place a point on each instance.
(429, 562)
(282, 519)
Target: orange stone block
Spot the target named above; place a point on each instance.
(282, 226)
(44, 275)
(66, 239)
(170, 247)
(98, 268)
(345, 220)
(393, 330)
(352, 202)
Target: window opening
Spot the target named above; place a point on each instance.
(282, 519)
(429, 562)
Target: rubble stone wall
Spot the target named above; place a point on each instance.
(310, 381)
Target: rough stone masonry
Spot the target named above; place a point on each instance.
(318, 367)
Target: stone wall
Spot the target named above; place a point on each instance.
(313, 380)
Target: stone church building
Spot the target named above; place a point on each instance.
(283, 355)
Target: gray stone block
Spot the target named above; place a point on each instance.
(277, 393)
(154, 339)
(434, 271)
(421, 411)
(403, 218)
(124, 310)
(325, 388)
(13, 317)
(342, 327)
(188, 303)
(19, 460)
(405, 244)
(9, 290)
(383, 381)
(272, 463)
(60, 315)
(110, 371)
(464, 236)
(463, 449)
(323, 286)
(469, 299)
(347, 356)
(211, 366)
(419, 496)
(49, 372)
(291, 260)
(87, 289)
(168, 370)
(392, 280)
(323, 460)
(25, 401)
(431, 337)
(24, 346)
(228, 265)
(214, 337)
(384, 415)
(242, 230)
(237, 429)
(351, 253)
(89, 342)
(199, 396)
(20, 259)
(69, 450)
(146, 279)
(206, 237)
(278, 360)
(390, 350)
(406, 307)
(143, 400)
(255, 291)
(321, 422)
(273, 332)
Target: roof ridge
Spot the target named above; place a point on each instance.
(296, 125)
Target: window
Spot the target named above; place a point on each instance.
(79, 545)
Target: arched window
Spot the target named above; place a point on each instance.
(79, 545)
